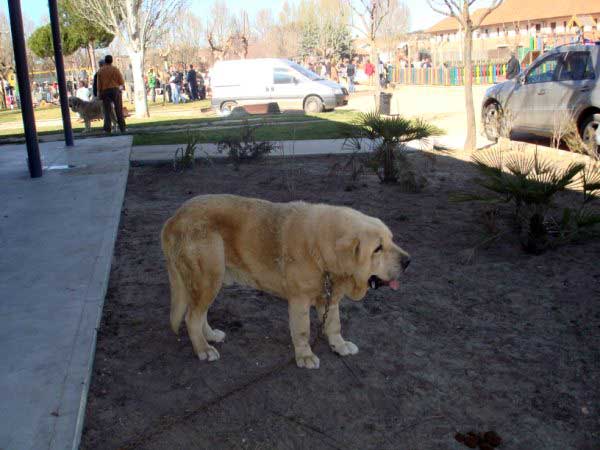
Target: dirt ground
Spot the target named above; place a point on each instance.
(501, 341)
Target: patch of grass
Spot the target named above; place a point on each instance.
(313, 130)
(169, 115)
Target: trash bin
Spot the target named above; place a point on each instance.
(385, 103)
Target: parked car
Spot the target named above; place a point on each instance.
(558, 86)
(255, 81)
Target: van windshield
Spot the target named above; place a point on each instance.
(307, 73)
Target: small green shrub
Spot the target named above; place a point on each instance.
(244, 147)
(531, 183)
(387, 137)
(184, 158)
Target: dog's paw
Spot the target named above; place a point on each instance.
(210, 354)
(308, 361)
(215, 336)
(345, 348)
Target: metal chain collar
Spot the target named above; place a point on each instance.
(327, 293)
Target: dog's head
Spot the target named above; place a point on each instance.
(366, 252)
(75, 104)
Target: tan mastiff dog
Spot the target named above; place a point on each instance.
(286, 249)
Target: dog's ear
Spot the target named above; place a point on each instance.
(348, 247)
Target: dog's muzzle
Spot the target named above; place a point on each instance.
(375, 282)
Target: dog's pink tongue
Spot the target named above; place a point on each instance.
(394, 284)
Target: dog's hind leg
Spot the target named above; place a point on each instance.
(196, 264)
(179, 297)
(207, 262)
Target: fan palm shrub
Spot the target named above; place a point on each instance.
(388, 136)
(531, 183)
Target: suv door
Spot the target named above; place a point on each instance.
(574, 83)
(527, 102)
(286, 89)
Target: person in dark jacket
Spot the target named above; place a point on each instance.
(192, 83)
(95, 82)
(513, 68)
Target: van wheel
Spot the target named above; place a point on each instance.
(589, 128)
(227, 107)
(313, 105)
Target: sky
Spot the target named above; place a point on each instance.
(421, 15)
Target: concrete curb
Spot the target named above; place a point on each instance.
(95, 304)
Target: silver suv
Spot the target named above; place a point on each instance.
(559, 87)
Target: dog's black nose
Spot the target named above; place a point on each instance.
(404, 262)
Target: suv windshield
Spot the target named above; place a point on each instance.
(307, 73)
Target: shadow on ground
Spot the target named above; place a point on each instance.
(502, 341)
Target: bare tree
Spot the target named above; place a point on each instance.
(461, 11)
(240, 35)
(182, 43)
(288, 31)
(263, 31)
(219, 30)
(372, 14)
(137, 24)
(395, 25)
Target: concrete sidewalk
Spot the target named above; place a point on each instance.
(57, 235)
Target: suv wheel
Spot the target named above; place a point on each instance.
(313, 104)
(589, 129)
(492, 121)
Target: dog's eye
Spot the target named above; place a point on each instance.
(378, 249)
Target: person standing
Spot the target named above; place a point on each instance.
(201, 87)
(83, 92)
(174, 84)
(369, 71)
(334, 72)
(129, 83)
(110, 81)
(152, 84)
(350, 72)
(513, 68)
(192, 83)
(95, 82)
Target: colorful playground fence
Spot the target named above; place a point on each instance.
(451, 76)
(482, 73)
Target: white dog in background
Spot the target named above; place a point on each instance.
(90, 111)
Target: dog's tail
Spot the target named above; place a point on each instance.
(171, 247)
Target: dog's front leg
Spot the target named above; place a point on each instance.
(333, 330)
(299, 311)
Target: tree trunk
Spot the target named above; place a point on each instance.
(92, 55)
(2, 94)
(471, 140)
(137, 66)
(375, 62)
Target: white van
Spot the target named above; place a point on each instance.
(253, 81)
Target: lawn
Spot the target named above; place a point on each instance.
(188, 115)
(48, 120)
(477, 338)
(296, 127)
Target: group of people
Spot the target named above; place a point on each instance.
(186, 85)
(176, 85)
(348, 71)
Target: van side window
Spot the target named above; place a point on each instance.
(576, 66)
(282, 76)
